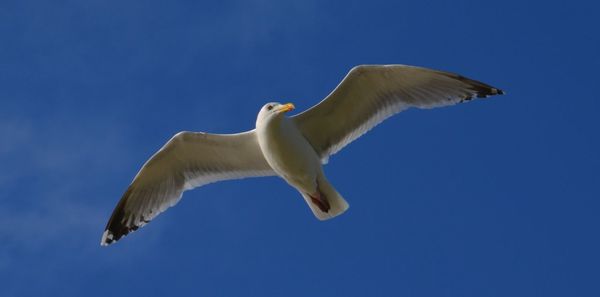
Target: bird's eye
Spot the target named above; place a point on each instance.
(269, 107)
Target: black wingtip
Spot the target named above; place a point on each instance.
(116, 228)
(107, 238)
(483, 91)
(480, 89)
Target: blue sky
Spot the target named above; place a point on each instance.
(496, 197)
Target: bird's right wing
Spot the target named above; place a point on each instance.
(186, 161)
(370, 94)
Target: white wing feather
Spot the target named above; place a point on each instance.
(186, 161)
(370, 94)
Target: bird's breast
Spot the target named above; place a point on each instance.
(289, 153)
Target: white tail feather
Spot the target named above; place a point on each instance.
(337, 203)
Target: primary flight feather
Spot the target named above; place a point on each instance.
(293, 148)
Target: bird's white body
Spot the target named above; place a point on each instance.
(290, 147)
(289, 153)
(293, 158)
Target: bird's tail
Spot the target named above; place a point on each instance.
(327, 203)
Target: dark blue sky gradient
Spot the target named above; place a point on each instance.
(497, 197)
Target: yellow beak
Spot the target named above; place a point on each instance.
(287, 107)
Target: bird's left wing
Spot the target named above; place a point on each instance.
(370, 94)
(186, 161)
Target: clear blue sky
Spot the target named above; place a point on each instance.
(496, 197)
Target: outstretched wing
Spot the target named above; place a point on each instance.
(186, 161)
(370, 94)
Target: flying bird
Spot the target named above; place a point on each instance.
(293, 148)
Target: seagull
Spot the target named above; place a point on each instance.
(293, 148)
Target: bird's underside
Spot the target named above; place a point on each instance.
(367, 95)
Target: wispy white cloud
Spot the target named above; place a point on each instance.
(53, 181)
(14, 133)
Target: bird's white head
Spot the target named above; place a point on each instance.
(272, 111)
